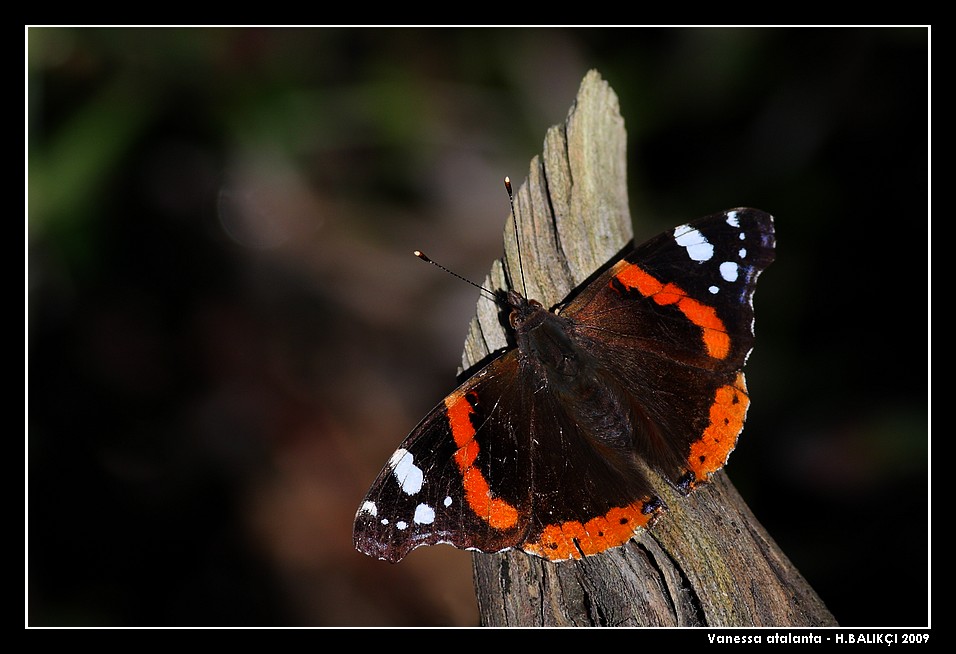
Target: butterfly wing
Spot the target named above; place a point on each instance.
(673, 321)
(434, 489)
(497, 465)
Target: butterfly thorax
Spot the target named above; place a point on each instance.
(586, 391)
(543, 337)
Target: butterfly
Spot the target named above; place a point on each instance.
(551, 447)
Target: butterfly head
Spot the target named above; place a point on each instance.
(524, 313)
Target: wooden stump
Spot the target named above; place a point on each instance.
(706, 561)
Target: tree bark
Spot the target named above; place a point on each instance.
(706, 561)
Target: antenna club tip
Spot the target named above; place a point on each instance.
(421, 255)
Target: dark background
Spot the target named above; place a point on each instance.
(227, 334)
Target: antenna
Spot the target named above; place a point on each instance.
(491, 295)
(514, 220)
(421, 255)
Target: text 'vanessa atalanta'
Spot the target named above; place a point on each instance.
(545, 449)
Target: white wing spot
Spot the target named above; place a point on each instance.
(424, 514)
(742, 236)
(694, 242)
(448, 501)
(742, 253)
(714, 290)
(729, 271)
(370, 508)
(384, 521)
(732, 219)
(401, 524)
(408, 475)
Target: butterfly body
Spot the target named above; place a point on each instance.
(546, 448)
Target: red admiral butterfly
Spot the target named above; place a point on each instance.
(551, 447)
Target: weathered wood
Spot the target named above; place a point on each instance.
(706, 561)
